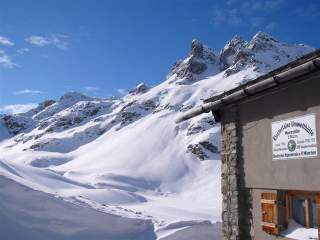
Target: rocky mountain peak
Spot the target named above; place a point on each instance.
(228, 53)
(74, 97)
(140, 88)
(199, 50)
(263, 52)
(196, 48)
(43, 105)
(262, 41)
(200, 59)
(51, 107)
(264, 36)
(235, 42)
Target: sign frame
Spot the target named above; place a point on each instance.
(291, 143)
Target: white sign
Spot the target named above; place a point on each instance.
(294, 138)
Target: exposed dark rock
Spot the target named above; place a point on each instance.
(197, 150)
(200, 57)
(209, 146)
(198, 50)
(262, 41)
(77, 115)
(186, 108)
(196, 66)
(186, 74)
(140, 88)
(99, 119)
(127, 105)
(15, 123)
(148, 105)
(63, 122)
(47, 103)
(162, 108)
(43, 105)
(101, 131)
(242, 56)
(128, 117)
(22, 138)
(38, 136)
(43, 125)
(242, 59)
(194, 130)
(200, 126)
(167, 107)
(38, 146)
(74, 96)
(227, 55)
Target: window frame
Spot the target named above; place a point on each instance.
(308, 197)
(281, 210)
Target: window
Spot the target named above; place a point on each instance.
(285, 211)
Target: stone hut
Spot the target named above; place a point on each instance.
(270, 153)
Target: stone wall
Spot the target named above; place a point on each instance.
(236, 205)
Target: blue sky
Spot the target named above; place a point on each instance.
(103, 48)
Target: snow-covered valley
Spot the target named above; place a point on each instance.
(87, 168)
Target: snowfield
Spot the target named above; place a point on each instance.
(87, 168)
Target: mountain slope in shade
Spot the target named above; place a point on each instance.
(126, 157)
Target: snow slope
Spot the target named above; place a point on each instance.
(126, 158)
(29, 214)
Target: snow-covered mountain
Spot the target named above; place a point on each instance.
(125, 161)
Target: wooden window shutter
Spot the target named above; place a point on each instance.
(271, 205)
